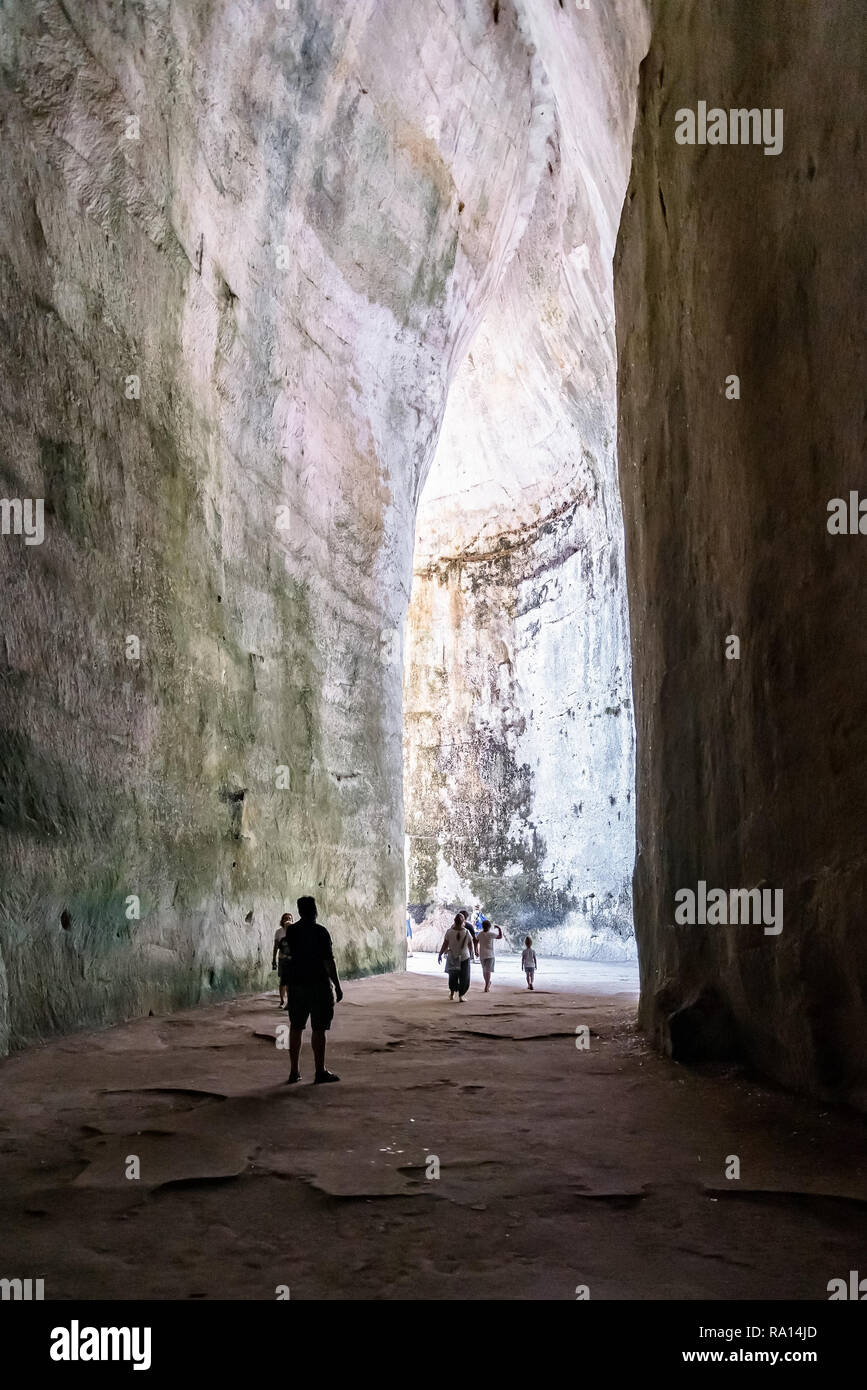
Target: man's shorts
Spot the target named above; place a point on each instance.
(317, 1005)
(283, 971)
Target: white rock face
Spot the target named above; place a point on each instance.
(245, 249)
(519, 744)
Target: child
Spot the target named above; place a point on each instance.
(528, 961)
(486, 941)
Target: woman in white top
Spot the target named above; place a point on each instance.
(458, 946)
(485, 943)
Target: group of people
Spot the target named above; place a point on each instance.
(303, 957)
(463, 941)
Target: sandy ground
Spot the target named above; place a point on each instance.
(558, 1167)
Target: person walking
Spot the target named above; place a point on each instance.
(280, 955)
(485, 942)
(459, 948)
(468, 923)
(310, 974)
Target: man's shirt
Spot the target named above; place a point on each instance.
(310, 954)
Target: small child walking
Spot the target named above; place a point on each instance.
(528, 961)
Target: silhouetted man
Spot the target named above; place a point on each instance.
(310, 973)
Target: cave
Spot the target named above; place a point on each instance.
(518, 724)
(432, 439)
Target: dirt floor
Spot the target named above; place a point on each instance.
(558, 1166)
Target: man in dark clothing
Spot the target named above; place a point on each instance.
(468, 922)
(310, 973)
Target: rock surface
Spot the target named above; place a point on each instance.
(750, 771)
(246, 248)
(249, 254)
(557, 1166)
(519, 733)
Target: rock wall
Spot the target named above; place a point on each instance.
(519, 732)
(242, 248)
(734, 262)
(518, 739)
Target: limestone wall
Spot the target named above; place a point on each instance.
(282, 223)
(732, 261)
(519, 731)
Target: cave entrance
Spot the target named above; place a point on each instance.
(518, 722)
(518, 730)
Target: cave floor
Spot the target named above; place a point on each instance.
(558, 1167)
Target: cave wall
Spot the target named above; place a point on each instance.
(283, 223)
(519, 734)
(732, 262)
(518, 738)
